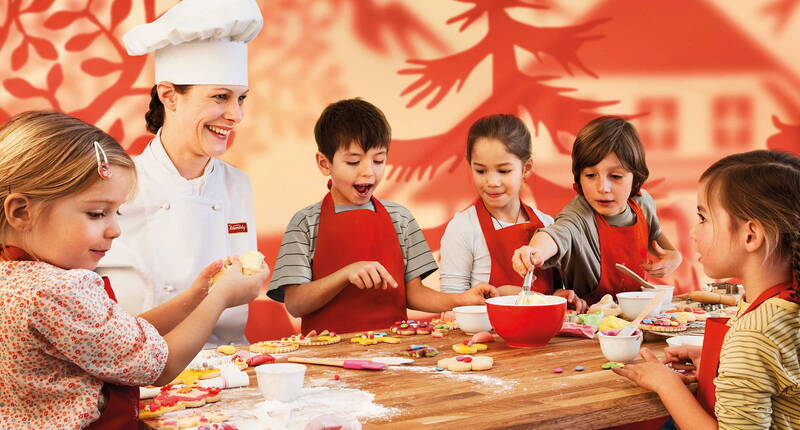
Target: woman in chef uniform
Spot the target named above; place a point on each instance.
(190, 208)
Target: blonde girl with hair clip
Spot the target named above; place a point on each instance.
(747, 370)
(71, 357)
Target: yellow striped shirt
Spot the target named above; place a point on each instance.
(758, 385)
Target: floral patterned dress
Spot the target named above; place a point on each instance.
(61, 339)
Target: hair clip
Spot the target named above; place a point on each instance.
(103, 168)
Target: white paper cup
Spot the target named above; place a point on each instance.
(280, 381)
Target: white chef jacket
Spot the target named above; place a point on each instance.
(174, 228)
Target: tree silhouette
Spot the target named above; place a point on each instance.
(91, 31)
(781, 10)
(512, 91)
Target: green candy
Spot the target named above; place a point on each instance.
(613, 365)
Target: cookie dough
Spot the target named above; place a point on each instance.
(251, 264)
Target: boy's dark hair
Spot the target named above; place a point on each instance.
(606, 135)
(507, 129)
(351, 120)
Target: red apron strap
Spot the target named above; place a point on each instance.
(502, 243)
(346, 238)
(713, 338)
(626, 245)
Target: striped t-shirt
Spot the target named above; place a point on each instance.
(758, 385)
(296, 254)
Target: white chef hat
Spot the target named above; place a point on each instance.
(199, 41)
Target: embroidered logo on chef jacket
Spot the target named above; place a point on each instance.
(237, 227)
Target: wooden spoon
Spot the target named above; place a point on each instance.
(624, 269)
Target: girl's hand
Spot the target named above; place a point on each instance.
(478, 294)
(573, 301)
(665, 262)
(651, 375)
(203, 281)
(236, 288)
(525, 259)
(685, 358)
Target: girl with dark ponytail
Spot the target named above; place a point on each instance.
(748, 229)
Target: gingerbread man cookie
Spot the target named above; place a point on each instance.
(465, 363)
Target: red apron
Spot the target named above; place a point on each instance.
(502, 244)
(122, 402)
(713, 338)
(625, 245)
(349, 237)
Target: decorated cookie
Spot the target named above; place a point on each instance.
(468, 347)
(190, 397)
(465, 363)
(195, 372)
(324, 338)
(295, 339)
(273, 347)
(159, 407)
(207, 420)
(411, 327)
(371, 338)
(662, 323)
(424, 328)
(259, 359)
(420, 351)
(442, 327)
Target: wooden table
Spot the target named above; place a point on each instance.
(524, 393)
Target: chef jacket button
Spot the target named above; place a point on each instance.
(216, 207)
(165, 206)
(169, 288)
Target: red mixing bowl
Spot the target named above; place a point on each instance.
(526, 325)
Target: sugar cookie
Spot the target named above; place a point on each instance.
(464, 363)
(421, 351)
(273, 347)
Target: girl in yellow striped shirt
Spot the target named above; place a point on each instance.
(747, 370)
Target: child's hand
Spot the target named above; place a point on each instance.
(370, 274)
(651, 375)
(573, 301)
(525, 259)
(685, 358)
(203, 281)
(664, 263)
(478, 294)
(236, 288)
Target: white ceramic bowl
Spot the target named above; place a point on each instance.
(472, 319)
(280, 381)
(685, 340)
(667, 297)
(634, 302)
(620, 348)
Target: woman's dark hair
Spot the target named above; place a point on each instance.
(155, 116)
